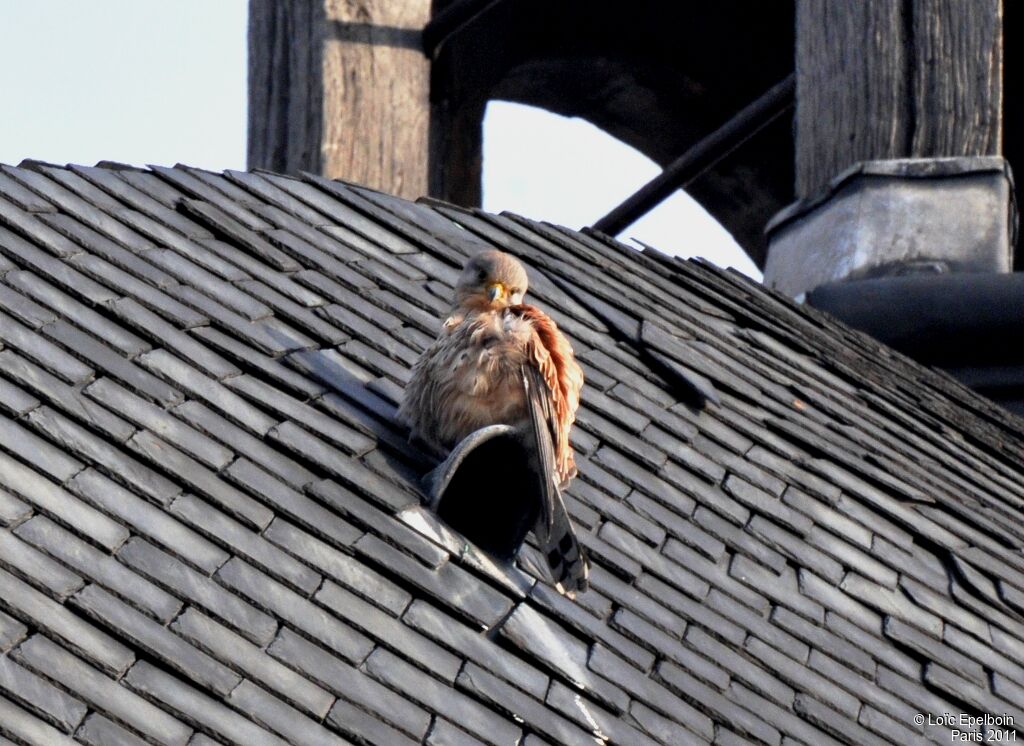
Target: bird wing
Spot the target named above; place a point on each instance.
(567, 564)
(549, 352)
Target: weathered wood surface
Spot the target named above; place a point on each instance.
(341, 88)
(285, 85)
(892, 79)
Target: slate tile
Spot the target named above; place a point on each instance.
(690, 609)
(291, 502)
(99, 245)
(935, 650)
(269, 335)
(665, 730)
(885, 726)
(297, 611)
(25, 310)
(683, 454)
(250, 358)
(781, 588)
(25, 199)
(47, 496)
(353, 473)
(445, 734)
(261, 186)
(39, 696)
(280, 718)
(784, 720)
(238, 228)
(741, 540)
(594, 718)
(16, 401)
(155, 639)
(475, 646)
(571, 613)
(676, 574)
(664, 644)
(12, 510)
(98, 566)
(391, 632)
(476, 680)
(210, 275)
(440, 698)
(362, 512)
(30, 225)
(797, 549)
(297, 313)
(291, 240)
(27, 562)
(98, 731)
(987, 655)
(641, 478)
(852, 557)
(84, 317)
(39, 453)
(186, 583)
(286, 406)
(77, 439)
(159, 421)
(819, 638)
(201, 479)
(890, 656)
(45, 353)
(803, 678)
(827, 718)
(764, 502)
(101, 692)
(252, 661)
(196, 707)
(451, 585)
(243, 469)
(213, 392)
(110, 362)
(206, 520)
(606, 664)
(153, 326)
(725, 710)
(351, 684)
(28, 256)
(547, 641)
(891, 602)
(28, 728)
(361, 725)
(343, 568)
(605, 553)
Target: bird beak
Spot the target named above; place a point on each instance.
(495, 291)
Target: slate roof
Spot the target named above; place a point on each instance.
(211, 534)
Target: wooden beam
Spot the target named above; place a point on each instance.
(881, 79)
(341, 88)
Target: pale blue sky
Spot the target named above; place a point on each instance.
(141, 81)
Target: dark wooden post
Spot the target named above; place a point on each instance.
(341, 88)
(880, 79)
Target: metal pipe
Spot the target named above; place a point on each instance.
(706, 153)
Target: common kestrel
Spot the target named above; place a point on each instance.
(498, 360)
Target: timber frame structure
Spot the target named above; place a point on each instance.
(361, 91)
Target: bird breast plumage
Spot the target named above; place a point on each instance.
(471, 376)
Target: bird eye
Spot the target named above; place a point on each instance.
(481, 274)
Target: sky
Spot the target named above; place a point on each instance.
(148, 82)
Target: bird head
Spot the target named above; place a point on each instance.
(491, 280)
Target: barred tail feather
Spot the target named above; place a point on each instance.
(567, 564)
